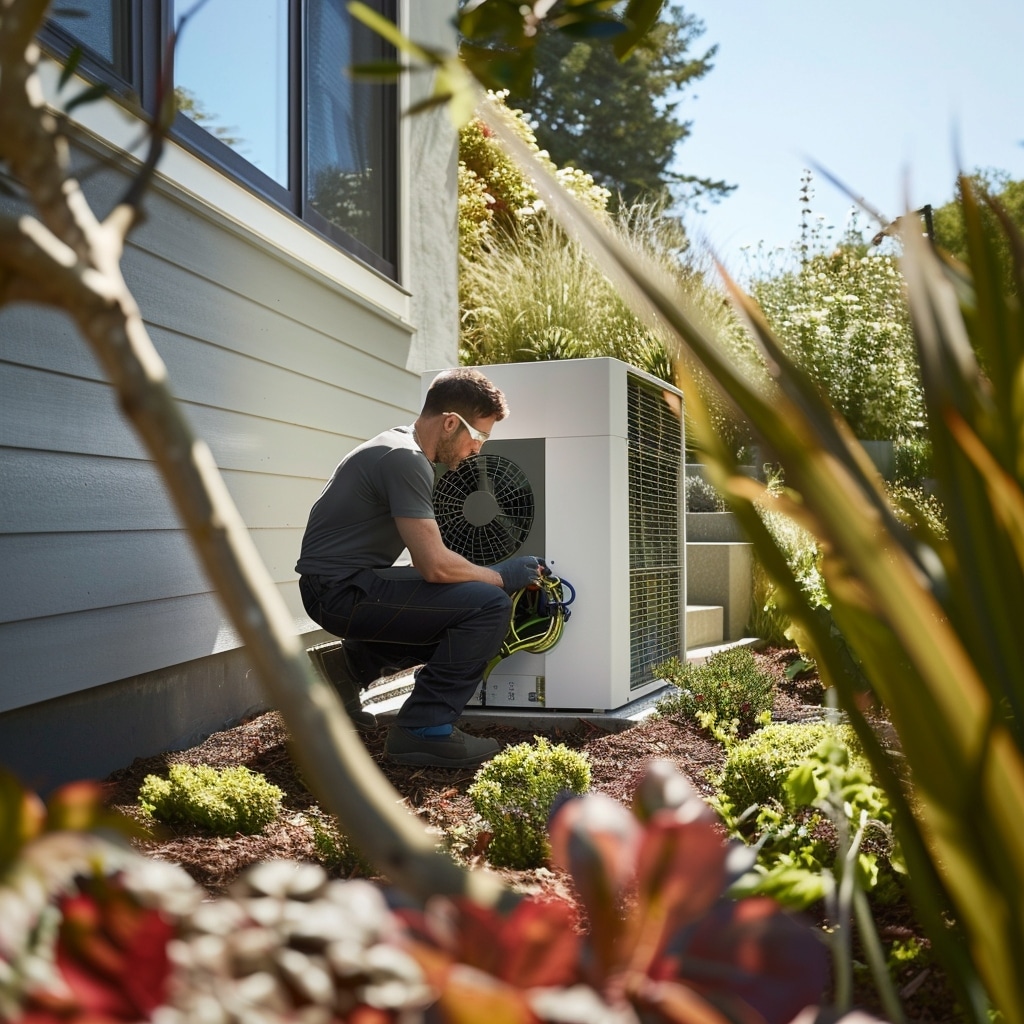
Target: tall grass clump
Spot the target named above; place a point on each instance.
(537, 296)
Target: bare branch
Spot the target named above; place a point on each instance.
(125, 215)
(30, 141)
(41, 262)
(20, 20)
(330, 753)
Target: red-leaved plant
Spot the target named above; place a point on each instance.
(653, 937)
(106, 958)
(111, 957)
(662, 941)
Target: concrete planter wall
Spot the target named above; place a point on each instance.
(723, 527)
(718, 569)
(721, 574)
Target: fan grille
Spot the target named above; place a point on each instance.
(484, 508)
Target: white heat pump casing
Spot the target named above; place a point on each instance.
(571, 417)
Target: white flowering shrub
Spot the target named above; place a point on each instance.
(494, 196)
(842, 316)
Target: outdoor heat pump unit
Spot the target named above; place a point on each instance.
(586, 472)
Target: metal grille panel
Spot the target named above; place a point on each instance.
(656, 549)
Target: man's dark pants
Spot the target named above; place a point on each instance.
(391, 619)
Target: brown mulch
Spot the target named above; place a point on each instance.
(437, 795)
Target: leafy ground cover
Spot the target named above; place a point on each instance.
(439, 797)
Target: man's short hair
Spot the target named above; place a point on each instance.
(467, 391)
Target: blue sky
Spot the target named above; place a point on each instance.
(882, 93)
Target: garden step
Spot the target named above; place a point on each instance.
(719, 573)
(698, 655)
(704, 624)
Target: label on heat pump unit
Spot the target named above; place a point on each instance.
(514, 691)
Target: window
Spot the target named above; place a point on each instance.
(100, 25)
(350, 162)
(231, 77)
(263, 93)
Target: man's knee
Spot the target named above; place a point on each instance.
(498, 614)
(496, 603)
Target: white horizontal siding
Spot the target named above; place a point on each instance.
(281, 372)
(64, 573)
(52, 492)
(49, 657)
(238, 440)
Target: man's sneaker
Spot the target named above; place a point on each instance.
(458, 750)
(332, 661)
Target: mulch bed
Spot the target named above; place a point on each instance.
(438, 797)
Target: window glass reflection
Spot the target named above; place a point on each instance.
(348, 155)
(231, 77)
(100, 25)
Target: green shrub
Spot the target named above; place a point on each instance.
(222, 800)
(757, 768)
(702, 497)
(913, 460)
(333, 848)
(768, 621)
(771, 621)
(495, 198)
(804, 837)
(729, 685)
(514, 793)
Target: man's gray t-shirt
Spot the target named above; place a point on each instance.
(352, 524)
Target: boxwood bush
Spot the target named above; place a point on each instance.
(221, 800)
(514, 793)
(756, 768)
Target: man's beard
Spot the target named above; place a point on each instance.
(447, 452)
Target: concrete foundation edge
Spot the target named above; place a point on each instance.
(89, 734)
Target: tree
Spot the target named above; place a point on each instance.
(619, 120)
(949, 226)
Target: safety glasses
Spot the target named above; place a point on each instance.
(477, 435)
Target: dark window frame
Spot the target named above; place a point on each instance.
(149, 28)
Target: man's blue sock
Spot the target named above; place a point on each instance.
(430, 731)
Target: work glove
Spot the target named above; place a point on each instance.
(519, 572)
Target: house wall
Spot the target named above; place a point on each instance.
(284, 352)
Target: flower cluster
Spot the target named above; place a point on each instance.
(494, 195)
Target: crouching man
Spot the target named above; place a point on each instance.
(444, 612)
